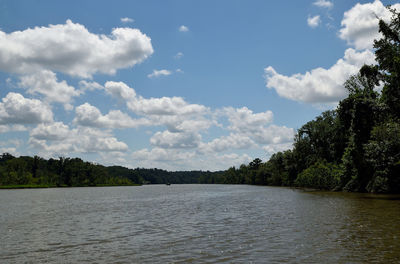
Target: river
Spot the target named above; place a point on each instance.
(197, 224)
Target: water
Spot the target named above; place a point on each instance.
(197, 224)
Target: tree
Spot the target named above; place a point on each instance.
(383, 153)
(357, 116)
(321, 175)
(253, 168)
(387, 72)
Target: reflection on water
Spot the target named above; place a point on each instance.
(197, 224)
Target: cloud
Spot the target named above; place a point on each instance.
(164, 106)
(183, 28)
(153, 106)
(323, 3)
(12, 128)
(274, 148)
(171, 159)
(232, 141)
(53, 131)
(160, 154)
(256, 127)
(248, 130)
(314, 21)
(184, 121)
(16, 109)
(10, 150)
(90, 86)
(127, 20)
(360, 24)
(243, 119)
(273, 135)
(178, 55)
(88, 115)
(176, 140)
(325, 86)
(158, 73)
(319, 85)
(10, 146)
(120, 90)
(58, 139)
(71, 49)
(45, 83)
(180, 123)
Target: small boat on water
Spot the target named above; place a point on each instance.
(168, 183)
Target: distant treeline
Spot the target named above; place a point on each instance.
(28, 171)
(355, 147)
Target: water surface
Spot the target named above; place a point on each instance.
(197, 224)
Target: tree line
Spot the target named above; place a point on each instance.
(355, 147)
(26, 171)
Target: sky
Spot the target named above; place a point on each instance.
(176, 85)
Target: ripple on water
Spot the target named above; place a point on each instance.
(197, 224)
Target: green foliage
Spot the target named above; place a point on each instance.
(37, 172)
(26, 172)
(318, 139)
(321, 175)
(387, 54)
(383, 153)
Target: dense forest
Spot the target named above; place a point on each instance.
(28, 171)
(355, 147)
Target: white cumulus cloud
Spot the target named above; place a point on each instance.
(16, 109)
(88, 115)
(71, 49)
(360, 23)
(152, 106)
(120, 90)
(319, 85)
(177, 140)
(232, 141)
(257, 127)
(58, 139)
(243, 119)
(273, 135)
(53, 131)
(164, 106)
(45, 82)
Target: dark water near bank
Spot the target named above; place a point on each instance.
(197, 224)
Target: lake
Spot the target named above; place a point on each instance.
(197, 224)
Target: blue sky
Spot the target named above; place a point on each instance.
(177, 85)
